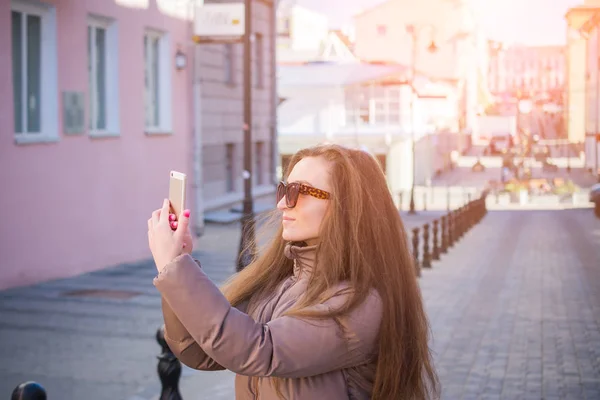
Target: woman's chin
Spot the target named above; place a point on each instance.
(289, 236)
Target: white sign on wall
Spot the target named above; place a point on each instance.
(219, 22)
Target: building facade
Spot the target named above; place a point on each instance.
(577, 75)
(444, 45)
(303, 35)
(533, 70)
(299, 29)
(368, 106)
(97, 107)
(591, 31)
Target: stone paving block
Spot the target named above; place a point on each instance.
(525, 305)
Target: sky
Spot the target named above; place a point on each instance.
(530, 22)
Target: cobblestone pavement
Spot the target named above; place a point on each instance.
(514, 308)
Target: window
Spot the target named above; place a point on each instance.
(283, 27)
(393, 96)
(229, 172)
(380, 111)
(229, 59)
(259, 163)
(157, 82)
(103, 77)
(394, 111)
(34, 72)
(375, 105)
(97, 76)
(259, 60)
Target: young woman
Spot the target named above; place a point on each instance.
(330, 310)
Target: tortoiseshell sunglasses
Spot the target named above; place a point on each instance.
(293, 190)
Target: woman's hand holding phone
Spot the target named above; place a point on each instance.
(188, 242)
(165, 243)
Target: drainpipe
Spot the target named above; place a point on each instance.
(198, 182)
(274, 94)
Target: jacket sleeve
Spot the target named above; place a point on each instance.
(181, 343)
(286, 347)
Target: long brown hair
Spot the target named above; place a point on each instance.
(363, 242)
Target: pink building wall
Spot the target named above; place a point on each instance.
(81, 203)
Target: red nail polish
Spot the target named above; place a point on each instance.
(186, 213)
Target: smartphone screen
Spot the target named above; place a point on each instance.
(177, 185)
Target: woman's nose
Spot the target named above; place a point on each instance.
(282, 205)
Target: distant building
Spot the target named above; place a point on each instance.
(368, 106)
(303, 36)
(384, 33)
(527, 70)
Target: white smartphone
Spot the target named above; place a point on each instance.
(177, 185)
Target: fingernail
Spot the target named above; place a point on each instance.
(171, 217)
(174, 224)
(186, 213)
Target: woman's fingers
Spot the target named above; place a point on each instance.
(155, 217)
(164, 212)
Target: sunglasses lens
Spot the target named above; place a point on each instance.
(293, 190)
(280, 191)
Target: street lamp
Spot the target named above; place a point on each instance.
(180, 60)
(247, 248)
(414, 31)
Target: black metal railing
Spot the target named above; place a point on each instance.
(435, 238)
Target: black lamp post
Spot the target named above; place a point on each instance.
(414, 32)
(247, 248)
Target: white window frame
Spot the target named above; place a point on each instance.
(165, 116)
(111, 79)
(49, 73)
